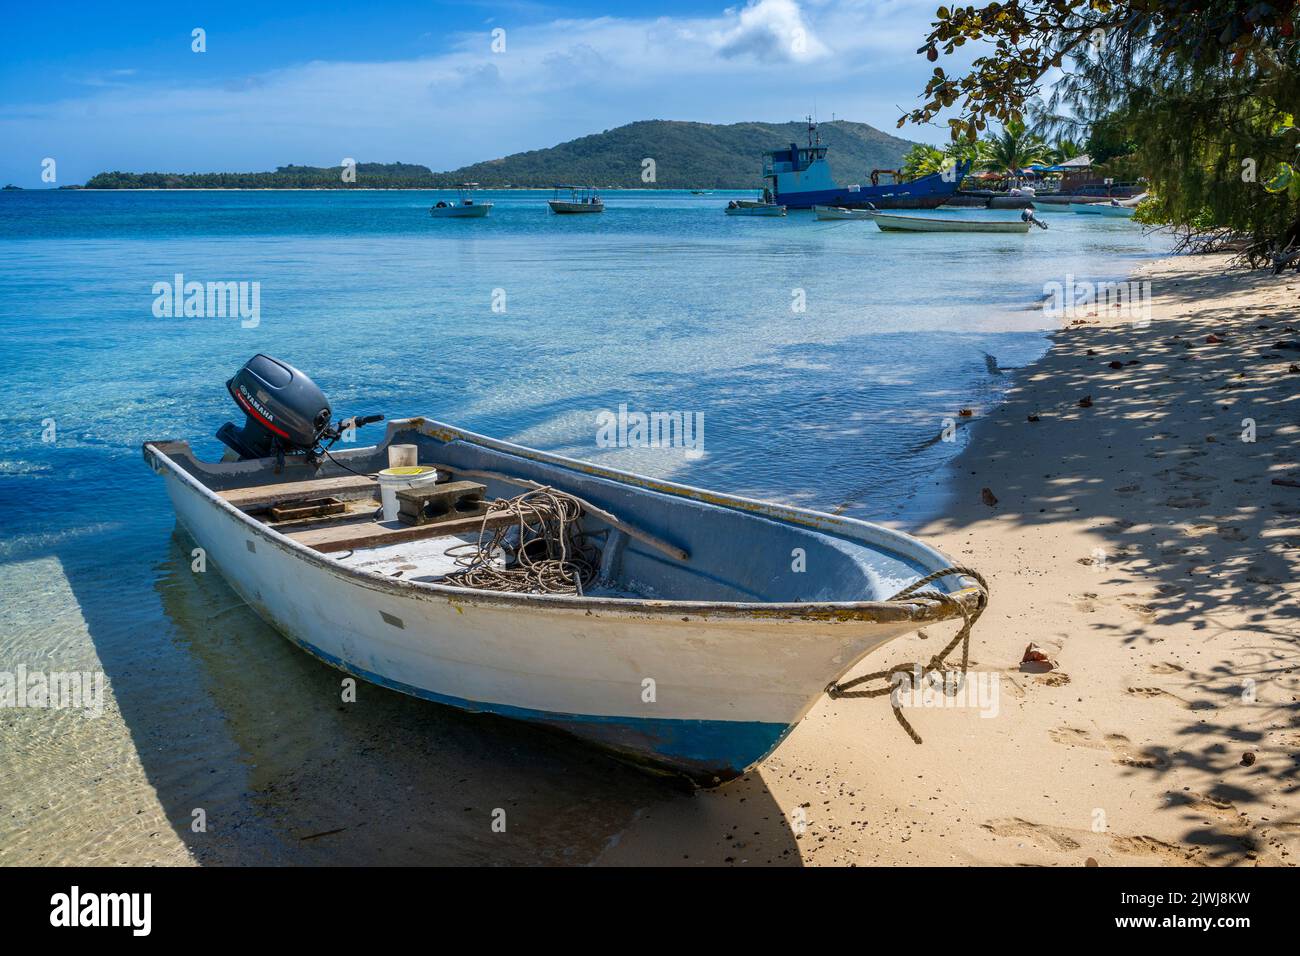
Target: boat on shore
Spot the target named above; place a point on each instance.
(463, 207)
(749, 207)
(693, 647)
(799, 177)
(839, 212)
(581, 199)
(893, 223)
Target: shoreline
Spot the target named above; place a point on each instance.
(1140, 543)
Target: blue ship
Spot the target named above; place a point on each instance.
(799, 177)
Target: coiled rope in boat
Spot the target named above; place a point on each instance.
(938, 663)
(550, 556)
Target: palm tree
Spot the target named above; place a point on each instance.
(1014, 149)
(1064, 148)
(922, 160)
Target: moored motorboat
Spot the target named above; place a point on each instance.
(888, 222)
(463, 207)
(839, 212)
(581, 199)
(691, 643)
(746, 207)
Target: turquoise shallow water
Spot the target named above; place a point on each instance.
(661, 304)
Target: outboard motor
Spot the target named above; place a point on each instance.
(285, 413)
(1027, 215)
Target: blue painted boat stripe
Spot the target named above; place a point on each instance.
(722, 745)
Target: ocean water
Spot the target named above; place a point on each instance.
(823, 358)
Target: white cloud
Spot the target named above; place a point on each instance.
(771, 30)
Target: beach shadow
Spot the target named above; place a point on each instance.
(1196, 520)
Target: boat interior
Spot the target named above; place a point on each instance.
(648, 540)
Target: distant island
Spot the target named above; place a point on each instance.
(686, 156)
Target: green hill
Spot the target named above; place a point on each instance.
(686, 155)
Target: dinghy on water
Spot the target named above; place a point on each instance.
(889, 222)
(463, 207)
(747, 207)
(686, 640)
(839, 212)
(1116, 208)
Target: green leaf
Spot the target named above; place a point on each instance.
(1281, 180)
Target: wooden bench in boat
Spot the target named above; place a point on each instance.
(356, 535)
(264, 496)
(351, 532)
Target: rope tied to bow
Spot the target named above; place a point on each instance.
(916, 671)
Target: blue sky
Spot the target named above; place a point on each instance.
(117, 86)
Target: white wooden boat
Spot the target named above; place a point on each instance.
(463, 207)
(888, 222)
(581, 199)
(699, 646)
(840, 212)
(1116, 210)
(749, 208)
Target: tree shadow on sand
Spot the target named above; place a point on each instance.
(1197, 519)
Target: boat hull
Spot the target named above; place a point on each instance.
(569, 208)
(838, 212)
(927, 192)
(703, 690)
(769, 211)
(476, 211)
(917, 224)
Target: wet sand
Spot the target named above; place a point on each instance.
(1141, 543)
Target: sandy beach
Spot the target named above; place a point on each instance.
(1142, 544)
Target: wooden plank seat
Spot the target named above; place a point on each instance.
(356, 535)
(260, 497)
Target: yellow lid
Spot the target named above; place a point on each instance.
(407, 471)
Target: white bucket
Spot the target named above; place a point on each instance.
(403, 456)
(393, 480)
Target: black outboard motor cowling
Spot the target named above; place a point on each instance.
(285, 413)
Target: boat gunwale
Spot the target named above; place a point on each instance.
(160, 453)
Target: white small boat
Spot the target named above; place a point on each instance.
(1116, 210)
(840, 212)
(747, 207)
(463, 207)
(694, 648)
(581, 199)
(889, 222)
